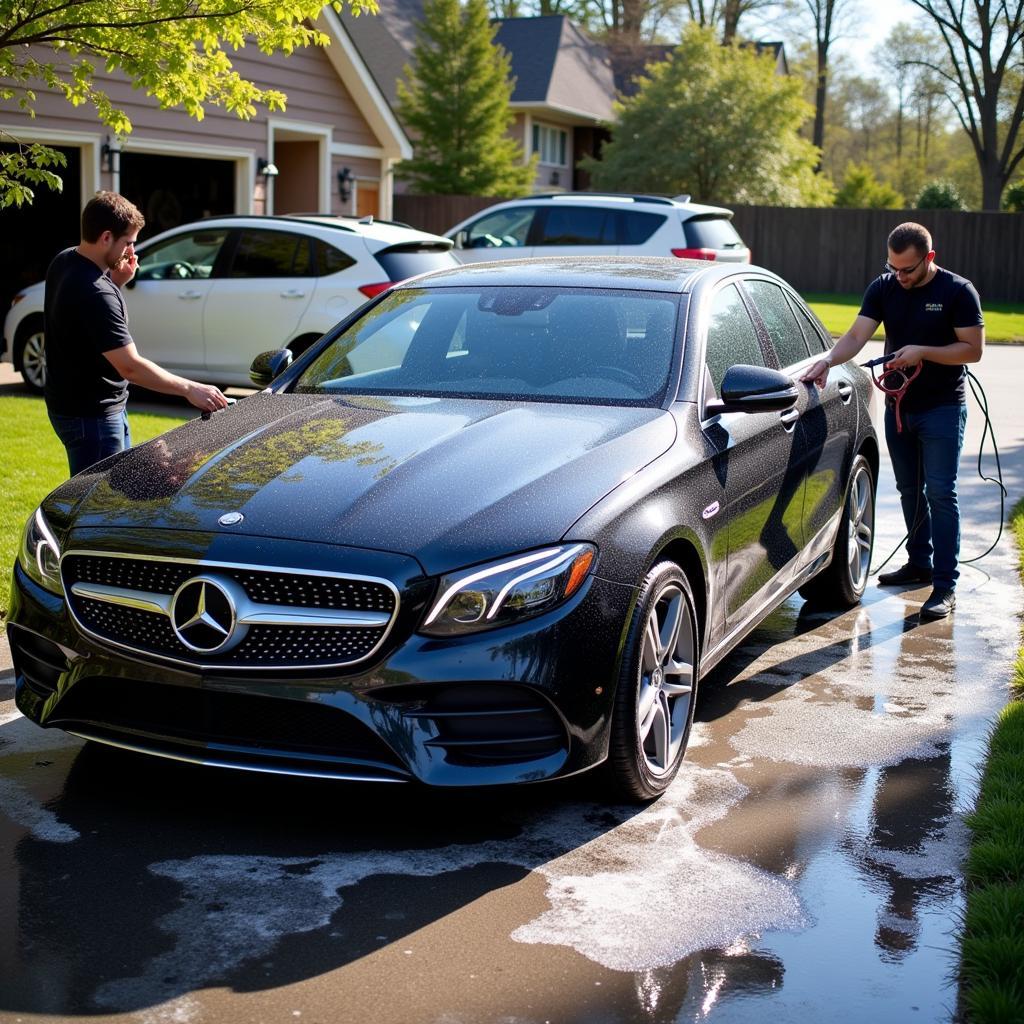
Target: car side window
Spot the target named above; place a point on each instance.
(816, 338)
(786, 336)
(182, 257)
(732, 339)
(578, 225)
(271, 254)
(501, 229)
(330, 260)
(636, 227)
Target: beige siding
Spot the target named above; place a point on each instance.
(315, 95)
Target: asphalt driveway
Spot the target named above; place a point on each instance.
(803, 867)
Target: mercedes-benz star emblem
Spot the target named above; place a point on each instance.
(231, 519)
(203, 615)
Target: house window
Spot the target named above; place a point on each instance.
(551, 144)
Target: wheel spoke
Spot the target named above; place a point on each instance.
(662, 729)
(678, 677)
(670, 627)
(650, 713)
(651, 656)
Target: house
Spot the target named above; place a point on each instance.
(564, 86)
(333, 150)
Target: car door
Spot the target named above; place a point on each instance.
(818, 448)
(258, 301)
(826, 481)
(167, 297)
(758, 464)
(502, 234)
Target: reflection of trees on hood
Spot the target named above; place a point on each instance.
(229, 480)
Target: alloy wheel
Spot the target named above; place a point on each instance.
(33, 360)
(666, 680)
(860, 522)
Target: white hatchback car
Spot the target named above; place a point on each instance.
(210, 295)
(593, 223)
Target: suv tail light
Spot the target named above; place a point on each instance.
(370, 290)
(695, 254)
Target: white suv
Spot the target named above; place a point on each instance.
(210, 295)
(582, 223)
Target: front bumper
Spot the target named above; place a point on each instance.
(517, 704)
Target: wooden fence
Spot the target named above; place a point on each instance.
(826, 250)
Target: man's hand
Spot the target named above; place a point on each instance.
(817, 374)
(909, 355)
(205, 397)
(125, 270)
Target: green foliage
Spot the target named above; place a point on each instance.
(1013, 198)
(25, 167)
(992, 962)
(863, 191)
(940, 195)
(455, 99)
(716, 122)
(176, 51)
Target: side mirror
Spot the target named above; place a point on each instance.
(755, 389)
(269, 365)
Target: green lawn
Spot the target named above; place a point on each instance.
(992, 965)
(1004, 321)
(34, 463)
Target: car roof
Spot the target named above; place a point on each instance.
(384, 231)
(643, 273)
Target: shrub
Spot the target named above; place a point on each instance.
(940, 195)
(1013, 198)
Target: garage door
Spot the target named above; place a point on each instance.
(173, 190)
(31, 236)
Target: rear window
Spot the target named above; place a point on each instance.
(635, 228)
(529, 344)
(711, 233)
(403, 261)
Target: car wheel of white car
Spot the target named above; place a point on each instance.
(30, 355)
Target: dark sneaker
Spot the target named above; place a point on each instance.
(904, 575)
(939, 604)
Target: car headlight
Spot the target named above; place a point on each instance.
(40, 553)
(499, 593)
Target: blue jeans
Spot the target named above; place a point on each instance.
(88, 439)
(925, 458)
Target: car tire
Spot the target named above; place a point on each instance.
(842, 583)
(657, 688)
(30, 353)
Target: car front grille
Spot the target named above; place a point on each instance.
(267, 617)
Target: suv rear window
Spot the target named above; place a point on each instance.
(402, 261)
(711, 233)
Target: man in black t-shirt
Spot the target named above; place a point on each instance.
(90, 356)
(933, 318)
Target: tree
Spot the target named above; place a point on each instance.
(717, 122)
(174, 50)
(984, 44)
(828, 21)
(861, 190)
(455, 98)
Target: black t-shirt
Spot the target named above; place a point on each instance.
(83, 317)
(926, 316)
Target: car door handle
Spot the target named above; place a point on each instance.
(293, 293)
(190, 295)
(789, 418)
(845, 391)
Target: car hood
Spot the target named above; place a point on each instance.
(448, 481)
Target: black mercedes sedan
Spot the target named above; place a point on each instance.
(493, 528)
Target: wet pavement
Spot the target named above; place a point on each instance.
(804, 866)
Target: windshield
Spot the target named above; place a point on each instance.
(544, 344)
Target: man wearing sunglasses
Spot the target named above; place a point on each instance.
(932, 318)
